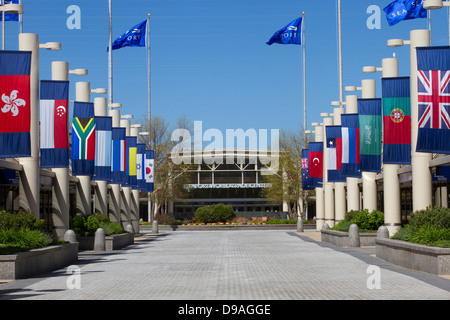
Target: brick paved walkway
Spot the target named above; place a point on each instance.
(230, 265)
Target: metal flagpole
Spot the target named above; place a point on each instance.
(341, 88)
(110, 67)
(21, 19)
(3, 26)
(149, 210)
(304, 76)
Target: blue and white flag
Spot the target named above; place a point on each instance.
(290, 34)
(9, 16)
(135, 37)
(400, 10)
(150, 169)
(350, 145)
(103, 146)
(140, 166)
(119, 156)
(334, 154)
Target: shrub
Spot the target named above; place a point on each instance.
(430, 235)
(437, 217)
(215, 213)
(20, 220)
(87, 226)
(25, 238)
(111, 228)
(363, 219)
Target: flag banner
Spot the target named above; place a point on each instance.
(370, 130)
(119, 156)
(131, 167)
(396, 120)
(400, 10)
(15, 115)
(315, 160)
(83, 139)
(149, 170)
(135, 37)
(433, 64)
(54, 121)
(350, 145)
(140, 166)
(103, 146)
(290, 34)
(334, 154)
(308, 183)
(10, 16)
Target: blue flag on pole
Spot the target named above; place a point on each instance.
(433, 65)
(119, 156)
(135, 37)
(290, 34)
(103, 145)
(400, 10)
(9, 16)
(350, 145)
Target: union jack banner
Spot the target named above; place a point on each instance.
(433, 64)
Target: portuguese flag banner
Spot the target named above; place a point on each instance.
(396, 120)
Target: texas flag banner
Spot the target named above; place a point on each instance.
(131, 167)
(15, 115)
(53, 117)
(119, 156)
(350, 145)
(83, 139)
(396, 120)
(150, 170)
(334, 154)
(370, 133)
(315, 159)
(103, 146)
(140, 166)
(433, 64)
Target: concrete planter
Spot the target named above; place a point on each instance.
(30, 263)
(432, 260)
(113, 242)
(341, 238)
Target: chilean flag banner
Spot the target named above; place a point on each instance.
(334, 154)
(103, 145)
(53, 117)
(83, 139)
(119, 156)
(350, 145)
(433, 64)
(149, 170)
(396, 120)
(131, 167)
(370, 132)
(15, 112)
(315, 159)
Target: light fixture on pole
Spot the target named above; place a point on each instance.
(438, 4)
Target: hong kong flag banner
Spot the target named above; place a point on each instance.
(433, 65)
(15, 112)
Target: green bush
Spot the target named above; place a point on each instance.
(437, 217)
(19, 220)
(363, 219)
(25, 238)
(215, 213)
(87, 226)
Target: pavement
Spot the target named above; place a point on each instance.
(230, 265)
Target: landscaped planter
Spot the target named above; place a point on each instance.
(341, 238)
(30, 263)
(113, 242)
(414, 256)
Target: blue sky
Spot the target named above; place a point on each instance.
(210, 60)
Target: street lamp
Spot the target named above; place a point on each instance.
(438, 4)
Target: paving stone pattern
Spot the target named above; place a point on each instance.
(230, 265)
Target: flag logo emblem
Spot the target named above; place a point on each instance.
(12, 103)
(397, 115)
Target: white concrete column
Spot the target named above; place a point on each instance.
(83, 94)
(115, 194)
(328, 186)
(29, 182)
(125, 210)
(421, 175)
(320, 205)
(340, 202)
(391, 183)
(60, 188)
(101, 194)
(353, 194)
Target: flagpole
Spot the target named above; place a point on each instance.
(21, 19)
(341, 90)
(3, 26)
(304, 77)
(110, 67)
(149, 202)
